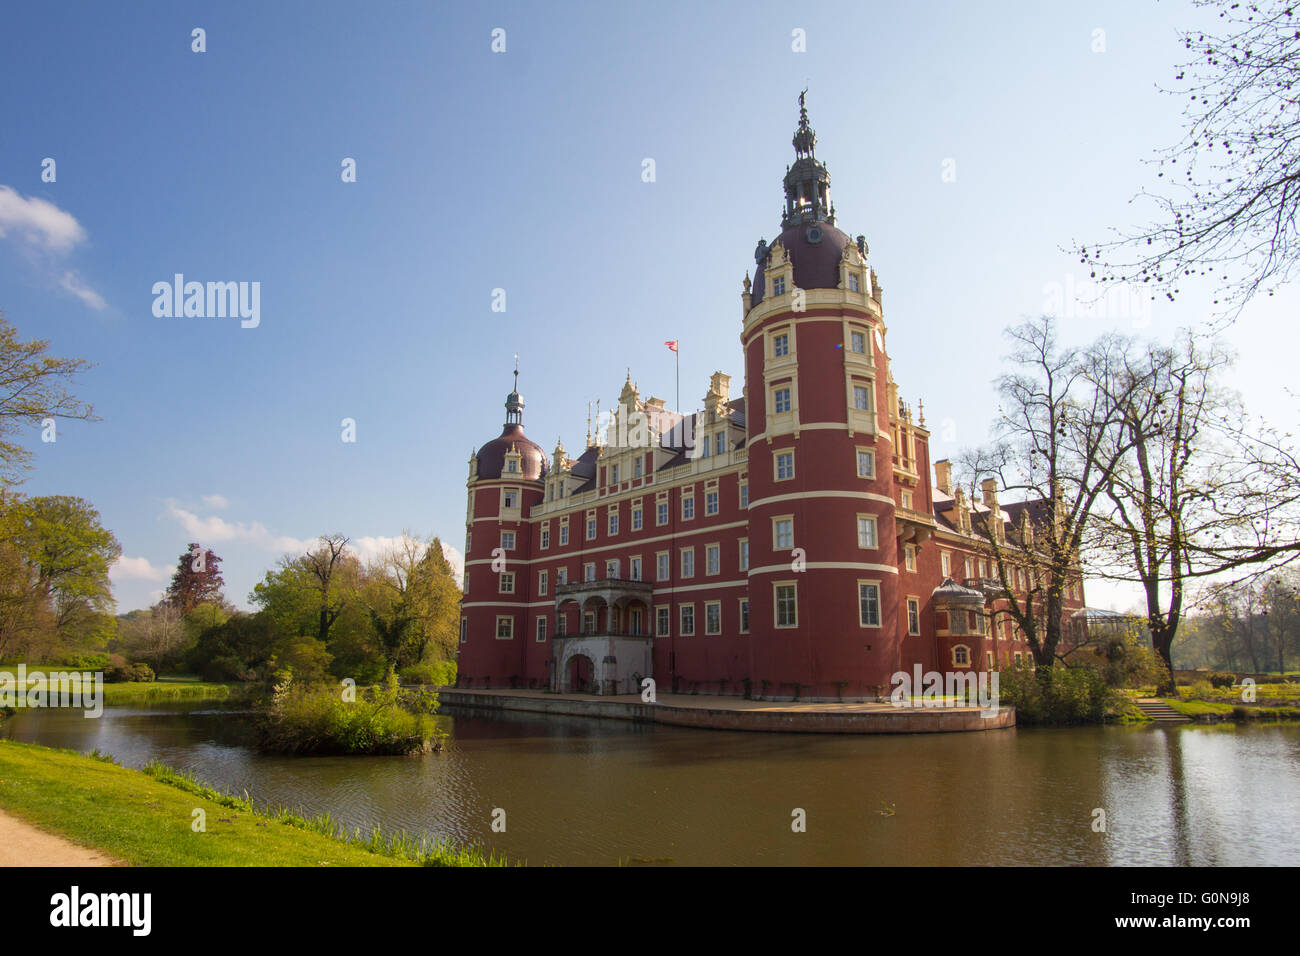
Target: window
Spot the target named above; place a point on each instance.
(778, 288)
(983, 570)
(866, 464)
(688, 562)
(613, 522)
(591, 527)
(706, 447)
(907, 500)
(661, 512)
(783, 533)
(913, 616)
(506, 583)
(720, 443)
(861, 398)
(637, 465)
(589, 571)
(780, 343)
(546, 537)
(711, 502)
(613, 474)
(945, 563)
(561, 625)
(464, 631)
(688, 506)
(636, 518)
(785, 465)
(505, 628)
(634, 568)
(744, 495)
(688, 619)
(510, 499)
(661, 566)
(857, 340)
(508, 540)
(712, 559)
(909, 557)
(785, 605)
(970, 568)
(781, 400)
(611, 568)
(744, 554)
(744, 615)
(561, 576)
(661, 622)
(541, 630)
(961, 656)
(564, 532)
(542, 582)
(712, 617)
(853, 287)
(869, 605)
(866, 531)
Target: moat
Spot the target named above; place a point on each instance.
(597, 792)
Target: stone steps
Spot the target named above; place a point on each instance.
(1161, 712)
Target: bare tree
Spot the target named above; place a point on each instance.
(1226, 210)
(1193, 497)
(1055, 443)
(321, 566)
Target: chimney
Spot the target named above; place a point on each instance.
(990, 489)
(943, 475)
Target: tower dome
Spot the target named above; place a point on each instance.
(808, 232)
(496, 457)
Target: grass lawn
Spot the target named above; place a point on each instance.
(144, 818)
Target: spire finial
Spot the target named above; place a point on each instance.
(515, 403)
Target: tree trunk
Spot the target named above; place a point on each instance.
(1162, 639)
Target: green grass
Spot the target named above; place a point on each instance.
(143, 817)
(1198, 708)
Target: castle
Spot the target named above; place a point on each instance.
(789, 543)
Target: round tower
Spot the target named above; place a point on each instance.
(824, 549)
(506, 478)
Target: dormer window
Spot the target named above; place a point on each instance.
(853, 283)
(778, 288)
(512, 465)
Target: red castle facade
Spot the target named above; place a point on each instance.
(794, 542)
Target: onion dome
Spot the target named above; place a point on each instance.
(512, 453)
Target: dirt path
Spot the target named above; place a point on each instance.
(22, 844)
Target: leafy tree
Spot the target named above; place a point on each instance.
(196, 580)
(33, 388)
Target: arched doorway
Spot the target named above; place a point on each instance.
(581, 674)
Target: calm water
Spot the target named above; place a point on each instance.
(580, 791)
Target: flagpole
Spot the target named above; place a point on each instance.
(678, 354)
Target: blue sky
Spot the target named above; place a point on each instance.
(522, 170)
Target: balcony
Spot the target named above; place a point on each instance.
(991, 587)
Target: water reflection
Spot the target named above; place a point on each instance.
(580, 791)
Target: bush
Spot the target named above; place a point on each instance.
(142, 673)
(435, 674)
(1072, 695)
(1222, 680)
(315, 719)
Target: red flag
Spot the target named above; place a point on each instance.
(672, 345)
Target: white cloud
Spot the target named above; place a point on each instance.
(73, 283)
(214, 528)
(46, 234)
(136, 569)
(38, 222)
(216, 501)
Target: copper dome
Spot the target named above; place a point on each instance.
(492, 456)
(815, 250)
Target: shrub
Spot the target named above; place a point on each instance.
(1072, 695)
(315, 719)
(1222, 680)
(142, 673)
(433, 673)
